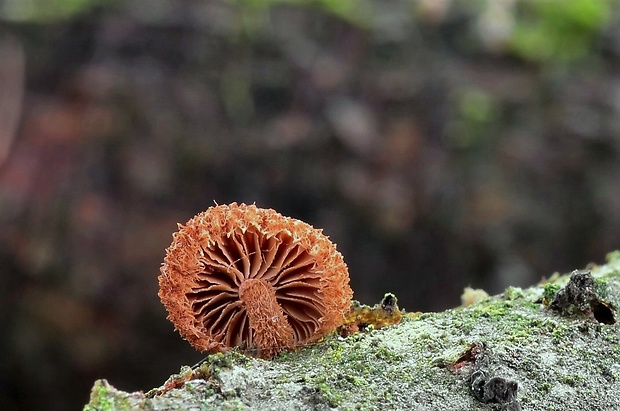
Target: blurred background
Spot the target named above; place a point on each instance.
(439, 143)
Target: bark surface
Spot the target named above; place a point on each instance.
(553, 346)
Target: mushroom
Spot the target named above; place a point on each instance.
(238, 275)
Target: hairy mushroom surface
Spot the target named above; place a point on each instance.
(239, 275)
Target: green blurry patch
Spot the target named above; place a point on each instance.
(357, 12)
(43, 10)
(476, 112)
(562, 30)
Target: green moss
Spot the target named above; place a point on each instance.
(234, 405)
(519, 335)
(559, 333)
(492, 310)
(572, 380)
(332, 397)
(616, 350)
(544, 387)
(467, 327)
(357, 362)
(213, 364)
(384, 354)
(601, 287)
(549, 291)
(513, 293)
(223, 360)
(104, 399)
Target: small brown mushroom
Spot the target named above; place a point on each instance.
(239, 275)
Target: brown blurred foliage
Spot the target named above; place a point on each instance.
(434, 154)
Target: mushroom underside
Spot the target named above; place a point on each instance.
(252, 286)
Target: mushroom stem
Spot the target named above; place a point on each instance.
(270, 327)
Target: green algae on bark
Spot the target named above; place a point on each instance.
(104, 397)
(556, 362)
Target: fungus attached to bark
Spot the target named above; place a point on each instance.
(239, 275)
(362, 317)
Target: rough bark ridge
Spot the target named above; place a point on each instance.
(554, 346)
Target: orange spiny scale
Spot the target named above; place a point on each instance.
(239, 275)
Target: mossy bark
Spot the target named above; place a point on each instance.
(522, 349)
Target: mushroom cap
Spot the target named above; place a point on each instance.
(239, 275)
